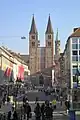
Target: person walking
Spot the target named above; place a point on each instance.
(37, 112)
(54, 104)
(28, 110)
(48, 112)
(67, 104)
(37, 99)
(15, 116)
(42, 111)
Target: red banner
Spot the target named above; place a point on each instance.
(21, 72)
(8, 72)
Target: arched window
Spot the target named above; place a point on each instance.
(49, 36)
(49, 43)
(33, 37)
(33, 44)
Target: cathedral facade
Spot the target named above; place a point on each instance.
(40, 57)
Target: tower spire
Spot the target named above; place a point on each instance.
(33, 29)
(49, 26)
(57, 35)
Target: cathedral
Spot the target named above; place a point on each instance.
(40, 57)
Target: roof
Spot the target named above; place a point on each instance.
(33, 29)
(49, 26)
(15, 55)
(25, 58)
(76, 33)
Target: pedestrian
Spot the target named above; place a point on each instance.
(12, 112)
(42, 111)
(37, 112)
(61, 100)
(54, 104)
(28, 111)
(9, 115)
(15, 116)
(37, 99)
(67, 104)
(48, 112)
(4, 99)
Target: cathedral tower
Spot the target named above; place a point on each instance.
(33, 45)
(49, 51)
(57, 45)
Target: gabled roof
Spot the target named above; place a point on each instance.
(25, 57)
(49, 26)
(33, 29)
(76, 33)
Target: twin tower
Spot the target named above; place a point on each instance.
(41, 57)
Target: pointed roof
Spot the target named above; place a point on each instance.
(57, 35)
(49, 26)
(33, 29)
(76, 33)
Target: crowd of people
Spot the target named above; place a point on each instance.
(42, 111)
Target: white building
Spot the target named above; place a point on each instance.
(11, 66)
(72, 57)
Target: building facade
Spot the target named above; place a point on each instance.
(40, 57)
(11, 66)
(72, 58)
(62, 69)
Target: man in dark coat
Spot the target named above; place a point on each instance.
(37, 112)
(42, 111)
(48, 112)
(28, 111)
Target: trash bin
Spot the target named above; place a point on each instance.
(72, 115)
